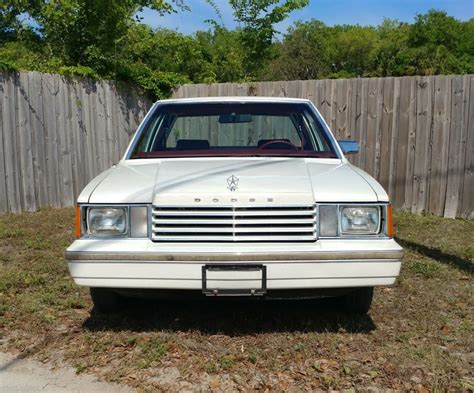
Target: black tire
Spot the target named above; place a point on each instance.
(106, 300)
(359, 300)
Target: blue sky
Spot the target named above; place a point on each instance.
(331, 12)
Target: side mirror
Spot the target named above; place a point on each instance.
(349, 147)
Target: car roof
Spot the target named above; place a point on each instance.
(233, 99)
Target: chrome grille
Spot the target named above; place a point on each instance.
(234, 224)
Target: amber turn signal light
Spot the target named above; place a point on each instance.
(390, 231)
(77, 228)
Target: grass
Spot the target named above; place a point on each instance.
(418, 334)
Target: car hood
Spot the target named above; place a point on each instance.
(209, 181)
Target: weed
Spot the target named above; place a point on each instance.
(210, 368)
(424, 268)
(152, 351)
(299, 347)
(73, 302)
(80, 367)
(38, 244)
(9, 233)
(253, 357)
(226, 362)
(3, 308)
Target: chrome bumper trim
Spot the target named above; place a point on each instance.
(206, 257)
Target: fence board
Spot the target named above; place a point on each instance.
(28, 201)
(362, 122)
(467, 200)
(463, 142)
(66, 140)
(385, 138)
(372, 125)
(394, 139)
(3, 185)
(440, 144)
(12, 172)
(422, 144)
(455, 148)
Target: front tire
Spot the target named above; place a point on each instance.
(106, 300)
(359, 300)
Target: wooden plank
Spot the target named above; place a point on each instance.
(372, 126)
(467, 199)
(86, 131)
(351, 132)
(111, 123)
(361, 121)
(412, 123)
(332, 120)
(50, 91)
(403, 119)
(440, 144)
(385, 138)
(466, 80)
(82, 113)
(319, 96)
(72, 135)
(341, 101)
(10, 128)
(455, 148)
(3, 175)
(122, 119)
(116, 113)
(325, 103)
(311, 91)
(65, 137)
(27, 176)
(101, 128)
(394, 142)
(422, 145)
(38, 138)
(378, 128)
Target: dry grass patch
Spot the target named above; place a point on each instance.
(418, 335)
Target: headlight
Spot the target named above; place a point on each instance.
(360, 220)
(107, 221)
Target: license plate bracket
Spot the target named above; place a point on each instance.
(234, 280)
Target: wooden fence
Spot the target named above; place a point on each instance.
(416, 133)
(57, 133)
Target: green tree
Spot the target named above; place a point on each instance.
(257, 19)
(86, 32)
(437, 45)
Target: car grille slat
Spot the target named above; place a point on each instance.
(234, 224)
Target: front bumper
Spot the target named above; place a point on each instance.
(327, 263)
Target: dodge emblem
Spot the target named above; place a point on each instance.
(232, 182)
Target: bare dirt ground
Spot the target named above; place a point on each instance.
(19, 375)
(418, 335)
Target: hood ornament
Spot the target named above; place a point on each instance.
(232, 182)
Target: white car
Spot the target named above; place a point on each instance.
(234, 196)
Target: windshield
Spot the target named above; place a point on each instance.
(233, 129)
